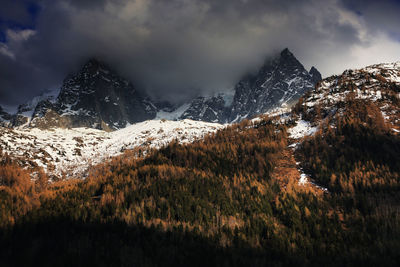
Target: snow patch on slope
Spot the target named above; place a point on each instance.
(303, 179)
(303, 128)
(174, 115)
(72, 151)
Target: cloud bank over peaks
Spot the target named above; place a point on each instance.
(181, 48)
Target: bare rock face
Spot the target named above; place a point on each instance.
(210, 109)
(281, 81)
(315, 74)
(5, 117)
(95, 97)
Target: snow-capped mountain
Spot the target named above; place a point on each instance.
(280, 82)
(68, 129)
(71, 151)
(61, 150)
(95, 97)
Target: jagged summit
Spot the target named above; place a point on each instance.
(286, 53)
(95, 62)
(95, 67)
(95, 97)
(279, 82)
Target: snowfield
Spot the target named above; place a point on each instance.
(72, 151)
(302, 129)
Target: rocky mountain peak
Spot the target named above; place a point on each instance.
(96, 68)
(95, 97)
(286, 53)
(280, 81)
(95, 63)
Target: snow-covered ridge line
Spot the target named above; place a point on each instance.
(73, 150)
(378, 83)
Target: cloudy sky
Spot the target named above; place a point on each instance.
(176, 49)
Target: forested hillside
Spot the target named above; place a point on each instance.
(211, 202)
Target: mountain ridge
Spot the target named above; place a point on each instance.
(97, 97)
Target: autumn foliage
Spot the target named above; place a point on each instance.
(216, 202)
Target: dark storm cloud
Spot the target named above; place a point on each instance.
(12, 10)
(17, 14)
(378, 14)
(179, 48)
